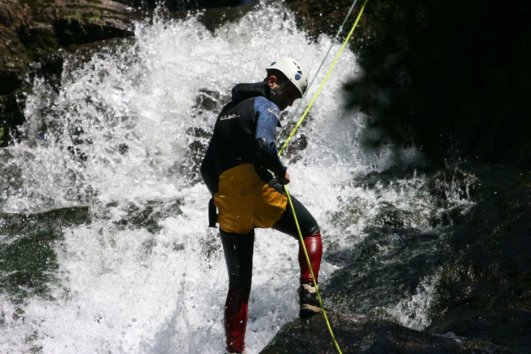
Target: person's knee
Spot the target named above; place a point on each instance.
(307, 222)
(313, 231)
(308, 225)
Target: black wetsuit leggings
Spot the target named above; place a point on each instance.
(238, 248)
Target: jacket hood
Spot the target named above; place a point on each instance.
(241, 92)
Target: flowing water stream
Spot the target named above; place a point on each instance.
(103, 222)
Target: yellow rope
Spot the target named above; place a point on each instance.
(301, 119)
(313, 275)
(322, 84)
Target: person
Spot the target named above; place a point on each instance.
(245, 176)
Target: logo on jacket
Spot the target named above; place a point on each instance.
(229, 116)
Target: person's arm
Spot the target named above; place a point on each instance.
(267, 115)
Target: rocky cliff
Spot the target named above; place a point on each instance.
(31, 31)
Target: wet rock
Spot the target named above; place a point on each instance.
(209, 100)
(485, 289)
(389, 265)
(404, 47)
(149, 215)
(468, 275)
(180, 5)
(11, 116)
(360, 334)
(318, 17)
(217, 16)
(33, 31)
(28, 259)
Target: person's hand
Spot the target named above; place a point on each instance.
(285, 179)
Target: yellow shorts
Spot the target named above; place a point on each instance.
(245, 201)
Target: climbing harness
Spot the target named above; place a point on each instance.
(301, 119)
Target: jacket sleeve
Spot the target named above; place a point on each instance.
(267, 114)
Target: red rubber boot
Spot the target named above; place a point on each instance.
(309, 304)
(236, 318)
(314, 246)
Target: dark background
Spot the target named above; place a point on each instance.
(451, 77)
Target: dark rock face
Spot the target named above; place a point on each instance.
(180, 5)
(11, 116)
(359, 334)
(454, 83)
(30, 261)
(485, 291)
(481, 300)
(31, 31)
(321, 16)
(213, 13)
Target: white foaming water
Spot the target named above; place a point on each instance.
(127, 114)
(413, 311)
(117, 136)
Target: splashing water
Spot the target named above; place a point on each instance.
(123, 137)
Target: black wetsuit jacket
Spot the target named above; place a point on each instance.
(237, 140)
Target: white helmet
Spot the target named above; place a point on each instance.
(293, 71)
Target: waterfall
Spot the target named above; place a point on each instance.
(121, 140)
